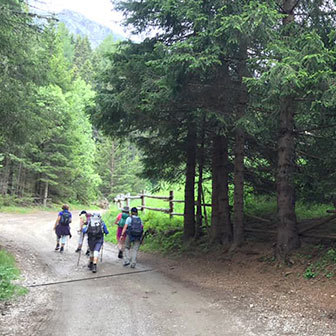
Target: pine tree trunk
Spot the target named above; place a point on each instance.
(189, 193)
(199, 216)
(112, 167)
(287, 236)
(220, 218)
(5, 176)
(45, 197)
(10, 185)
(18, 181)
(238, 179)
(199, 220)
(287, 233)
(238, 195)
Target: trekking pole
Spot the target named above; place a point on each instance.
(79, 256)
(101, 254)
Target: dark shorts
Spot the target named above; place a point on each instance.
(95, 244)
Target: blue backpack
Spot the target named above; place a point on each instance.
(65, 218)
(135, 228)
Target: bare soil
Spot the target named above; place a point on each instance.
(252, 278)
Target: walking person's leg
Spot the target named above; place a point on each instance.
(57, 243)
(88, 247)
(91, 248)
(96, 250)
(135, 249)
(120, 242)
(80, 241)
(127, 251)
(90, 265)
(63, 241)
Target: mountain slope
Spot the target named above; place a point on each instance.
(78, 24)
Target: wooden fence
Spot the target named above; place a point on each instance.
(125, 200)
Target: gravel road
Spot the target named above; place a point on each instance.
(68, 300)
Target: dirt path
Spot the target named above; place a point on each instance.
(155, 299)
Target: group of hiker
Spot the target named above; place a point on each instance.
(129, 234)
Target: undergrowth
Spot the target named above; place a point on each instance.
(320, 262)
(9, 273)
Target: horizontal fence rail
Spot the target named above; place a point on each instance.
(125, 200)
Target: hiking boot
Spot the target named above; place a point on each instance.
(132, 265)
(126, 263)
(57, 247)
(78, 249)
(61, 249)
(87, 253)
(90, 265)
(94, 268)
(120, 254)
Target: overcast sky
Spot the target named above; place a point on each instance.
(100, 11)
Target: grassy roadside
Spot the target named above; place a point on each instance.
(8, 273)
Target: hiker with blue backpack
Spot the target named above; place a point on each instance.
(95, 230)
(132, 230)
(120, 221)
(62, 227)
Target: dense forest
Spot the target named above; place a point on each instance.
(49, 148)
(236, 94)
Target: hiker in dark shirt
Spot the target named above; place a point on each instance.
(62, 227)
(133, 230)
(95, 230)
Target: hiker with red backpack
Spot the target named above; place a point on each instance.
(62, 227)
(95, 230)
(120, 221)
(132, 230)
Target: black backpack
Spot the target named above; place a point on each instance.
(136, 228)
(65, 218)
(95, 226)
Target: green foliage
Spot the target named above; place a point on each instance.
(323, 264)
(8, 273)
(118, 164)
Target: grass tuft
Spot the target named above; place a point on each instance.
(8, 273)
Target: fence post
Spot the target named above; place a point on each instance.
(171, 203)
(143, 204)
(128, 200)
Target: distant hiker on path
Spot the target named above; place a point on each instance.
(62, 227)
(83, 221)
(95, 230)
(120, 221)
(133, 229)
